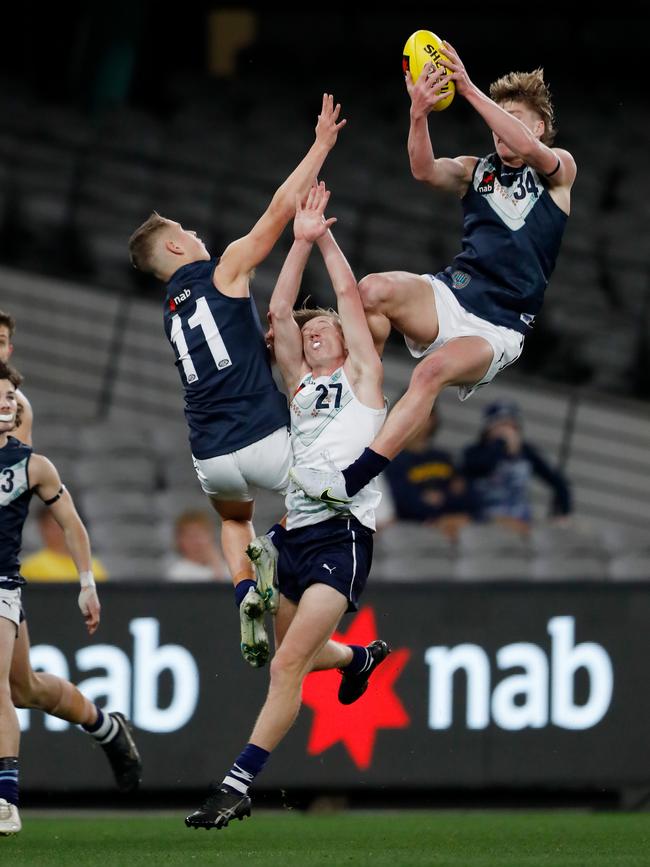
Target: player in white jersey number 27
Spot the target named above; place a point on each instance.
(334, 375)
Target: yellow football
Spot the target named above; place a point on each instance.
(422, 47)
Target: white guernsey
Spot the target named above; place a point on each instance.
(330, 424)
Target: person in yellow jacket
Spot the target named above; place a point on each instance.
(53, 562)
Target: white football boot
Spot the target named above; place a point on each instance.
(264, 556)
(254, 640)
(328, 485)
(9, 819)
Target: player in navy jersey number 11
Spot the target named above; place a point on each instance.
(469, 321)
(238, 419)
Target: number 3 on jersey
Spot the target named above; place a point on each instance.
(201, 317)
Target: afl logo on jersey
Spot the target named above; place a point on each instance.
(178, 299)
(486, 184)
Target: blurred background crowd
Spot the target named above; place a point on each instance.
(111, 111)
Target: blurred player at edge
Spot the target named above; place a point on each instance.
(238, 419)
(7, 330)
(24, 473)
(469, 321)
(334, 375)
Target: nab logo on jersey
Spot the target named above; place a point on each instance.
(486, 184)
(178, 299)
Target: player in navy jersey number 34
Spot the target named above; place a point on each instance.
(237, 417)
(469, 321)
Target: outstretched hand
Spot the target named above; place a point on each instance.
(426, 92)
(458, 73)
(309, 223)
(328, 124)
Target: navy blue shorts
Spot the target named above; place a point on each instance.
(337, 552)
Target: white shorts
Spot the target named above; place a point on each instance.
(264, 464)
(455, 321)
(10, 605)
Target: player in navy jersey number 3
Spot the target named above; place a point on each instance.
(238, 419)
(23, 473)
(469, 321)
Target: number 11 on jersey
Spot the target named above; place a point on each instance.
(203, 317)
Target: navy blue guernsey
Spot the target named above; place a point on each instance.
(15, 495)
(511, 239)
(231, 399)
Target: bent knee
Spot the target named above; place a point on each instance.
(20, 695)
(287, 666)
(431, 374)
(375, 290)
(24, 693)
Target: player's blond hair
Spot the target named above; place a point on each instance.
(305, 314)
(530, 88)
(141, 243)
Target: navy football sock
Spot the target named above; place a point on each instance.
(242, 589)
(361, 659)
(363, 470)
(245, 769)
(103, 729)
(9, 779)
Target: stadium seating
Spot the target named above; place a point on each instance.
(100, 373)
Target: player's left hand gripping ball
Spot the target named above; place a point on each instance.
(423, 47)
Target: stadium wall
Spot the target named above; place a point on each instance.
(488, 685)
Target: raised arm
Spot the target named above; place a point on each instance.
(240, 257)
(443, 173)
(287, 339)
(45, 479)
(308, 225)
(363, 364)
(558, 164)
(554, 479)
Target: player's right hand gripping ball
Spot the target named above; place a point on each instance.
(423, 47)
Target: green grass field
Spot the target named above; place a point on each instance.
(391, 839)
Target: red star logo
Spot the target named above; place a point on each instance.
(355, 725)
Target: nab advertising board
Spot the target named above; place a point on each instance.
(486, 685)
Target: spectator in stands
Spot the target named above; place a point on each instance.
(197, 557)
(53, 562)
(425, 484)
(501, 465)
